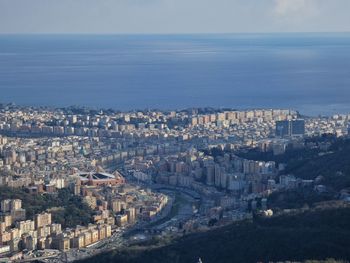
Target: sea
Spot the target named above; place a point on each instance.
(308, 72)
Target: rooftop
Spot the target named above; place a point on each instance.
(96, 176)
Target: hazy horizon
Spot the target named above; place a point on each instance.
(183, 34)
(176, 17)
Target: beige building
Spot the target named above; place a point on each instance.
(42, 243)
(25, 226)
(5, 237)
(122, 220)
(2, 227)
(60, 242)
(130, 212)
(101, 232)
(7, 219)
(18, 215)
(78, 242)
(29, 242)
(42, 219)
(44, 231)
(5, 205)
(56, 228)
(87, 238)
(15, 233)
(9, 205)
(94, 236)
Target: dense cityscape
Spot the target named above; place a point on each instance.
(187, 131)
(76, 182)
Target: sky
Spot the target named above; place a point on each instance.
(173, 16)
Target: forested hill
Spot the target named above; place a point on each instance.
(332, 164)
(311, 235)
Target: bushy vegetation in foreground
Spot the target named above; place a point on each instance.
(316, 235)
(66, 208)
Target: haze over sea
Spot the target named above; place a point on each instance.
(307, 72)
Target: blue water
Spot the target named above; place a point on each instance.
(308, 72)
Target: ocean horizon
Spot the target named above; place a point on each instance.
(306, 72)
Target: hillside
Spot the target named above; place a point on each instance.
(314, 235)
(333, 165)
(71, 210)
